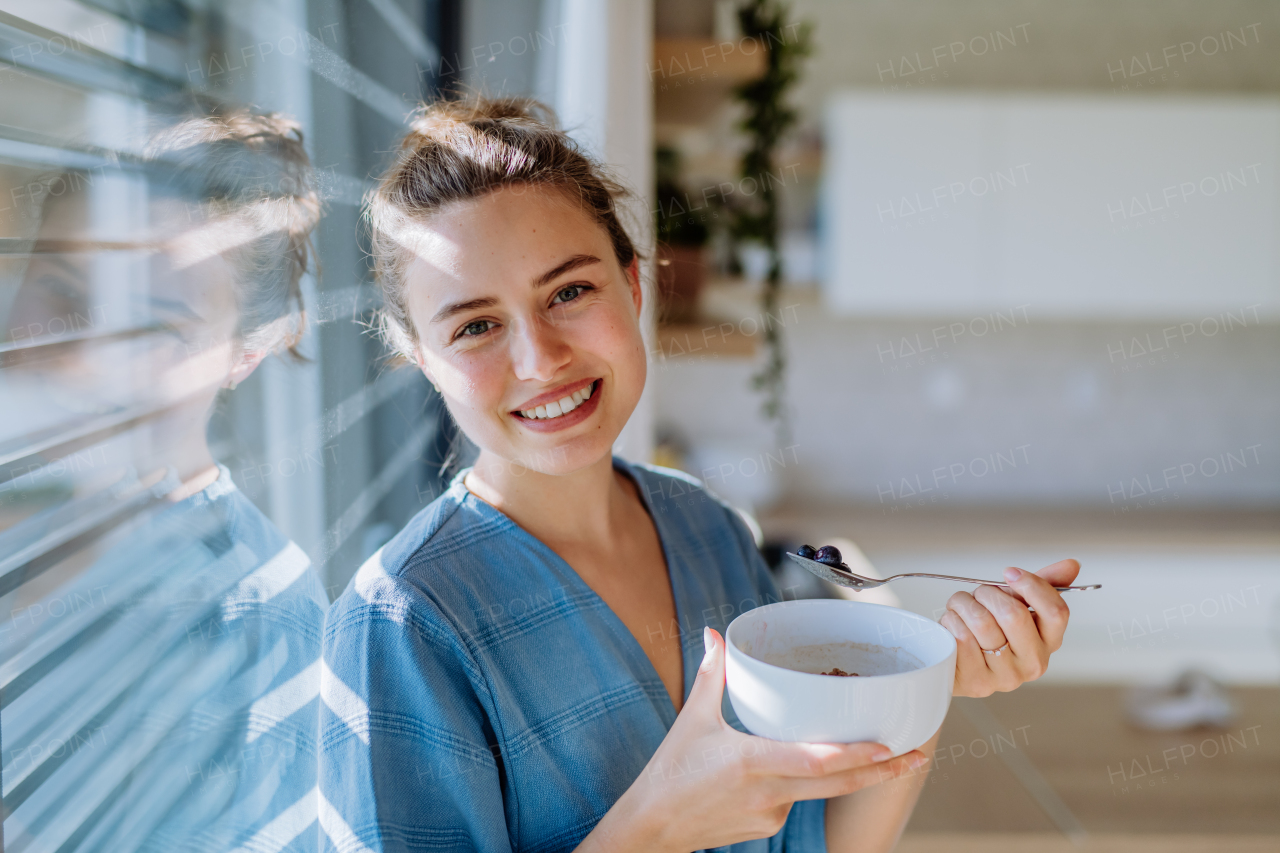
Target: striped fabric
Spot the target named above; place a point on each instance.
(478, 695)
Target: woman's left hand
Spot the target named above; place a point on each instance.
(991, 617)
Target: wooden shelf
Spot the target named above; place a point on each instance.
(696, 60)
(716, 338)
(692, 77)
(730, 321)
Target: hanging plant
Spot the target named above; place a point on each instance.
(766, 120)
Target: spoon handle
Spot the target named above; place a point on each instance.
(988, 583)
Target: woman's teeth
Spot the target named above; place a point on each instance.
(563, 406)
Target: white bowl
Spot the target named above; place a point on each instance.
(907, 667)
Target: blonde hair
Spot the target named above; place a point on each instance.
(461, 150)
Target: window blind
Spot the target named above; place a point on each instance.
(168, 545)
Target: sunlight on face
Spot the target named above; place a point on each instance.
(520, 303)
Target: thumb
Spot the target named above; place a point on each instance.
(1061, 573)
(708, 688)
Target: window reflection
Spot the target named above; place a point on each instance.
(160, 635)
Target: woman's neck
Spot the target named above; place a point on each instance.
(178, 440)
(583, 507)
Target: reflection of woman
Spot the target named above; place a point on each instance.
(525, 666)
(194, 672)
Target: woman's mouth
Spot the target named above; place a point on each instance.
(570, 409)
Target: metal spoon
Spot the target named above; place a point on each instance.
(842, 576)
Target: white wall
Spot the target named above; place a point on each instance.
(1081, 206)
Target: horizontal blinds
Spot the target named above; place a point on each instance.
(159, 657)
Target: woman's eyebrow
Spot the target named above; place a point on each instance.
(488, 301)
(458, 307)
(568, 266)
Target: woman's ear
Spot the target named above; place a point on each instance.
(242, 369)
(633, 278)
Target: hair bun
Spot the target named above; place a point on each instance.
(432, 118)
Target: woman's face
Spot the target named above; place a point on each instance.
(520, 304)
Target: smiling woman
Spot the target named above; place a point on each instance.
(501, 255)
(521, 303)
(519, 668)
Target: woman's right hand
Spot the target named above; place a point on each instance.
(709, 784)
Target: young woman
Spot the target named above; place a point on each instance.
(536, 661)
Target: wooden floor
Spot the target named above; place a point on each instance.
(1115, 787)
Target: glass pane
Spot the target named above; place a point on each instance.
(201, 441)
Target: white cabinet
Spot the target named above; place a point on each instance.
(1094, 206)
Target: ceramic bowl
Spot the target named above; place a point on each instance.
(906, 667)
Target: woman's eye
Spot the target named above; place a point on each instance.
(475, 329)
(570, 293)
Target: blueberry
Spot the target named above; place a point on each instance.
(828, 555)
(806, 551)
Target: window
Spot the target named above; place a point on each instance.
(170, 537)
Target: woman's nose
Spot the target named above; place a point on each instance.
(539, 350)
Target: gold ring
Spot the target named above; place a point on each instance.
(995, 652)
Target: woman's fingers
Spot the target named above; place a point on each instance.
(992, 616)
(968, 652)
(1061, 573)
(977, 673)
(854, 779)
(824, 759)
(1027, 650)
(978, 619)
(1011, 615)
(765, 757)
(807, 771)
(707, 693)
(1038, 591)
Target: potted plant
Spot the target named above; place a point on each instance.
(682, 230)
